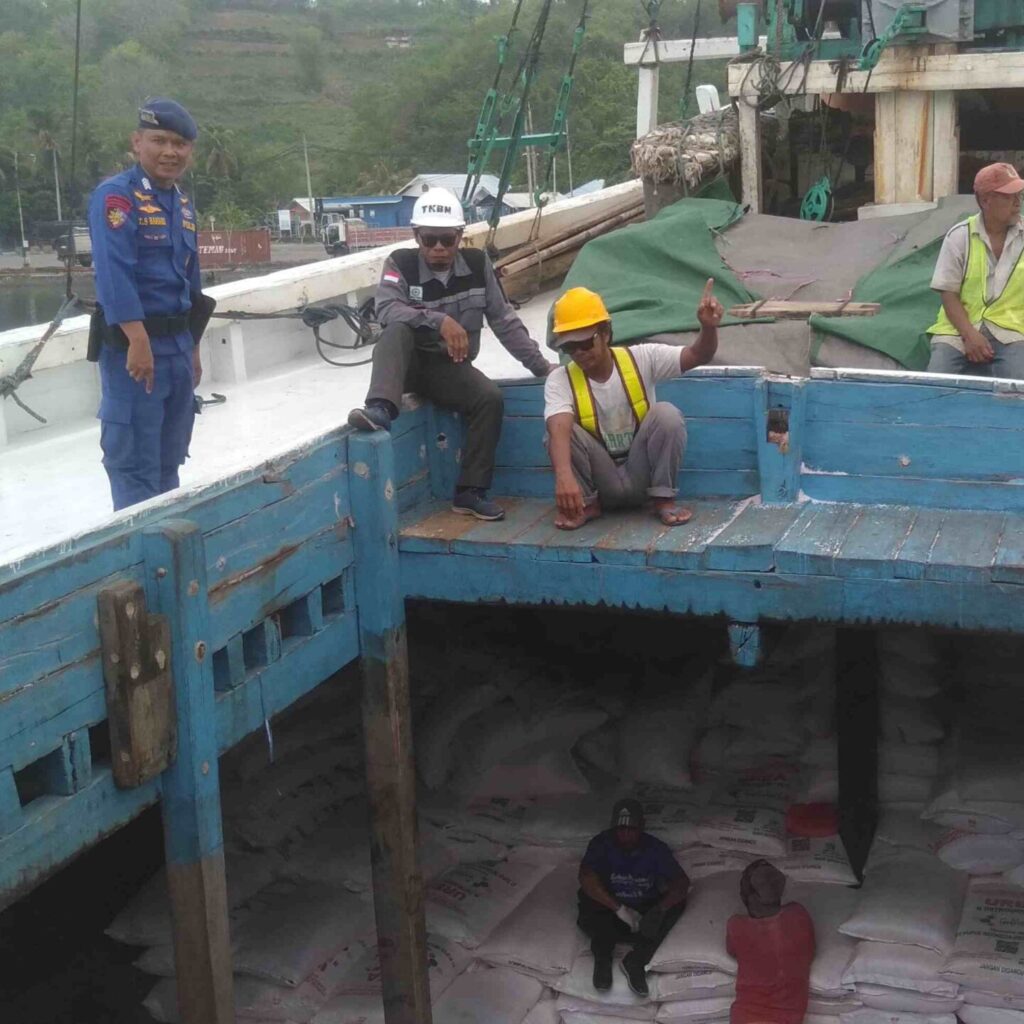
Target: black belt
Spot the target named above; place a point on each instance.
(159, 326)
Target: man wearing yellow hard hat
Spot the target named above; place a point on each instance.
(611, 442)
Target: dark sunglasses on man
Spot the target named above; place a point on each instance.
(448, 240)
(570, 348)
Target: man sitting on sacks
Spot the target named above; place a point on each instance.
(632, 890)
(611, 442)
(774, 947)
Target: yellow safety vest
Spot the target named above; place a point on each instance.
(1006, 310)
(632, 382)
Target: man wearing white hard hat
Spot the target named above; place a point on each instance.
(432, 302)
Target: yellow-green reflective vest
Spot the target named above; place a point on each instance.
(1006, 310)
(632, 382)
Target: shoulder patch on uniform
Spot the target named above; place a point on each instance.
(392, 277)
(116, 209)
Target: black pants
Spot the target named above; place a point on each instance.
(400, 365)
(605, 929)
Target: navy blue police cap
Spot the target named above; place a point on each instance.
(160, 112)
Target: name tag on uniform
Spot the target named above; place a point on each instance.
(415, 291)
(153, 222)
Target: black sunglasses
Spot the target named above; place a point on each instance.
(571, 347)
(429, 240)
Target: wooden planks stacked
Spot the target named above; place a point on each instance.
(781, 309)
(526, 270)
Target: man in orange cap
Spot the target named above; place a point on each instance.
(980, 277)
(611, 442)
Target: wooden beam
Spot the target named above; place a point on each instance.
(745, 644)
(387, 733)
(791, 309)
(750, 154)
(176, 587)
(898, 71)
(946, 157)
(676, 51)
(647, 101)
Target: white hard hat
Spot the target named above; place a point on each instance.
(438, 208)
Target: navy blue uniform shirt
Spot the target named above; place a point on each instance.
(145, 249)
(635, 877)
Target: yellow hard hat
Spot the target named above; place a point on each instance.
(577, 312)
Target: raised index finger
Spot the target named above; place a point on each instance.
(708, 288)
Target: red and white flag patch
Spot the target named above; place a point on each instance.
(392, 277)
(116, 209)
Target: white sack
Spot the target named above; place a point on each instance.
(656, 735)
(980, 854)
(949, 808)
(903, 789)
(908, 759)
(906, 828)
(578, 993)
(596, 1014)
(146, 920)
(909, 721)
(435, 734)
(694, 983)
(989, 949)
(881, 997)
(351, 1010)
(540, 936)
(494, 995)
(469, 901)
(701, 861)
(824, 1006)
(698, 938)
(565, 821)
(536, 771)
(820, 859)
(828, 906)
(990, 1015)
(695, 1010)
(910, 898)
(294, 927)
(759, 831)
(896, 966)
(545, 1012)
(979, 997)
(865, 1015)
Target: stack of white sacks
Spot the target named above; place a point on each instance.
(518, 774)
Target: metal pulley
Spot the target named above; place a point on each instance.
(818, 201)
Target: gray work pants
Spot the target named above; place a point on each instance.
(1008, 361)
(651, 470)
(399, 365)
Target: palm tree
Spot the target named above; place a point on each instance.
(46, 142)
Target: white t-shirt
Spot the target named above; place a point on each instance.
(614, 413)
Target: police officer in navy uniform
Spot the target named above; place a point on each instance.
(146, 260)
(432, 302)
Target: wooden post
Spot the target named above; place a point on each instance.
(857, 733)
(387, 733)
(778, 420)
(647, 100)
(193, 841)
(750, 148)
(946, 158)
(745, 644)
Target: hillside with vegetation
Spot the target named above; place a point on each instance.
(260, 75)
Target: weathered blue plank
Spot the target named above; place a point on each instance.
(714, 396)
(410, 421)
(875, 541)
(544, 541)
(683, 547)
(239, 602)
(49, 638)
(892, 404)
(492, 539)
(432, 526)
(693, 483)
(812, 543)
(274, 687)
(11, 814)
(741, 597)
(444, 450)
(415, 491)
(712, 444)
(55, 829)
(918, 491)
(916, 552)
(634, 533)
(1009, 562)
(914, 451)
(410, 454)
(747, 544)
(745, 644)
(965, 549)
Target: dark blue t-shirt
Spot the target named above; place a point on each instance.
(634, 877)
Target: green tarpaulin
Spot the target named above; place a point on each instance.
(651, 275)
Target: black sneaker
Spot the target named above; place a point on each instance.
(373, 417)
(602, 973)
(635, 974)
(473, 501)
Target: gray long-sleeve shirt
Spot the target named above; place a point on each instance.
(395, 305)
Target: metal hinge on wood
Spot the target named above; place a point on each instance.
(140, 688)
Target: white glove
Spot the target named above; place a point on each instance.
(627, 915)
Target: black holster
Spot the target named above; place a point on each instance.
(101, 333)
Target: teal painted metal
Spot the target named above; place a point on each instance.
(748, 26)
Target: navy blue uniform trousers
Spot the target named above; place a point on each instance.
(145, 437)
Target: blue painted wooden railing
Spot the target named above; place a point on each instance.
(278, 606)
